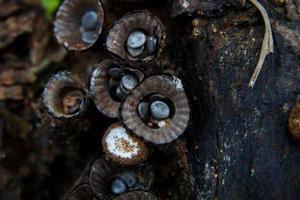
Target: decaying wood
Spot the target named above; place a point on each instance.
(14, 27)
(239, 143)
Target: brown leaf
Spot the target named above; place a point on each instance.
(14, 27)
(9, 7)
(13, 61)
(13, 92)
(11, 77)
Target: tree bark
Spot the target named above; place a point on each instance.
(239, 143)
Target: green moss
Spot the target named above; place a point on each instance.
(50, 7)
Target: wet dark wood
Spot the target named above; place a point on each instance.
(239, 146)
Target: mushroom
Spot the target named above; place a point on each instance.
(137, 36)
(294, 121)
(122, 147)
(81, 192)
(65, 95)
(78, 23)
(136, 195)
(108, 180)
(110, 83)
(157, 110)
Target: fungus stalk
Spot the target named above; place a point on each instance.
(267, 44)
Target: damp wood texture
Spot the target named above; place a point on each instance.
(239, 143)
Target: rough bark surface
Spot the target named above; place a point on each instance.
(239, 143)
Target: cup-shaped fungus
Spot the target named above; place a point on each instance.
(136, 195)
(157, 110)
(108, 180)
(110, 83)
(137, 36)
(78, 23)
(294, 121)
(65, 95)
(122, 147)
(81, 192)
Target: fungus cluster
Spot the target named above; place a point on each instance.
(152, 109)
